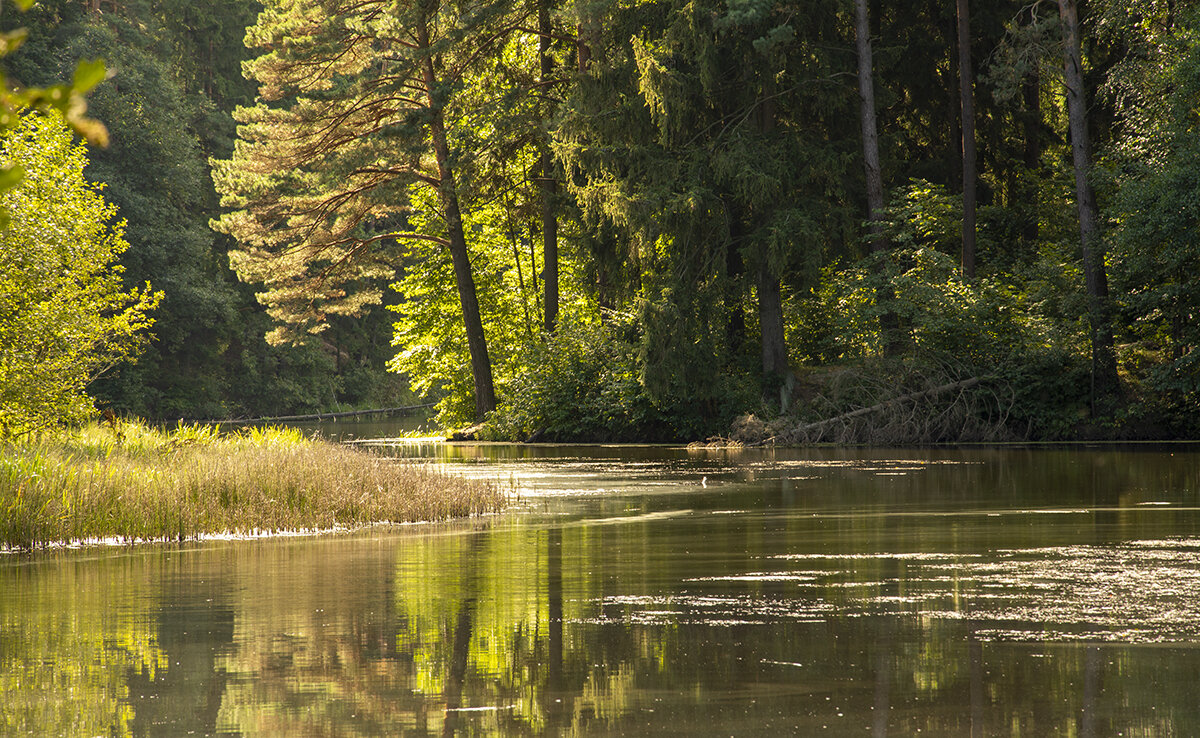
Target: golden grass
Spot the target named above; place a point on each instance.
(134, 483)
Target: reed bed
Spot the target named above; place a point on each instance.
(128, 482)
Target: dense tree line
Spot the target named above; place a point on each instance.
(174, 75)
(640, 220)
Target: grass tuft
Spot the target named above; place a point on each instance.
(131, 482)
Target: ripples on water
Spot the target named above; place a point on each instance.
(1141, 592)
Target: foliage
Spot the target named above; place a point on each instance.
(318, 182)
(1156, 244)
(689, 147)
(361, 104)
(155, 173)
(586, 383)
(66, 98)
(986, 328)
(64, 316)
(707, 182)
(173, 77)
(581, 384)
(428, 331)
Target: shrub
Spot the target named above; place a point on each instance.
(585, 383)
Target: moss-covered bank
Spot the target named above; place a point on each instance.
(132, 483)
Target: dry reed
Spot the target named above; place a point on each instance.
(132, 483)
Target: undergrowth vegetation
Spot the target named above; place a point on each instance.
(588, 382)
(1032, 371)
(130, 482)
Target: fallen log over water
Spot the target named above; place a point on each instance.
(811, 431)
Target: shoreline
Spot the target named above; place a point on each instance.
(232, 537)
(131, 483)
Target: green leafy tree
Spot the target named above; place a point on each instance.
(155, 172)
(174, 76)
(1156, 238)
(64, 316)
(66, 98)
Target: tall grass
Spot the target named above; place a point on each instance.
(130, 482)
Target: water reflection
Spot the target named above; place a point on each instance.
(676, 592)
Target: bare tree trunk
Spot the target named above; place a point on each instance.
(770, 291)
(889, 323)
(967, 98)
(481, 364)
(549, 184)
(770, 317)
(870, 128)
(1104, 364)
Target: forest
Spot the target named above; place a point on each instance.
(643, 221)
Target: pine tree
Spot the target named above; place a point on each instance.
(357, 106)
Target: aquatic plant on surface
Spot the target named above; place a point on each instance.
(129, 482)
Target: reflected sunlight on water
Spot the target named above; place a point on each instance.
(1135, 592)
(652, 591)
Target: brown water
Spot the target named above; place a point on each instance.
(653, 591)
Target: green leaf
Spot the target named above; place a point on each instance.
(88, 74)
(24, 4)
(11, 41)
(10, 177)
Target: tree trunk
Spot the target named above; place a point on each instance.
(770, 317)
(549, 184)
(1031, 91)
(948, 32)
(735, 271)
(1104, 364)
(770, 292)
(967, 106)
(889, 323)
(869, 124)
(481, 364)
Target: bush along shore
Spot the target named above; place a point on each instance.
(128, 482)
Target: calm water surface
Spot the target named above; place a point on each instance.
(653, 591)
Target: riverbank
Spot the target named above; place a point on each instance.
(129, 482)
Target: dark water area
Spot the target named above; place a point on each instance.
(653, 591)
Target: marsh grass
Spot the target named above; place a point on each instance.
(130, 482)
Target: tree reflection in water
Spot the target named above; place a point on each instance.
(853, 598)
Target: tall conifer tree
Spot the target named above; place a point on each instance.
(358, 103)
(713, 153)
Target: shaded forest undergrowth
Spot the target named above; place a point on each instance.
(994, 360)
(888, 402)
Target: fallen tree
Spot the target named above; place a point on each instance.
(947, 412)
